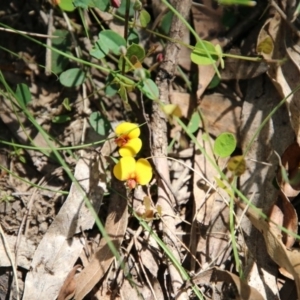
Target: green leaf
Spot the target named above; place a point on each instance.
(66, 5)
(149, 89)
(81, 3)
(121, 11)
(66, 104)
(99, 51)
(23, 95)
(194, 122)
(85, 4)
(220, 55)
(112, 89)
(205, 137)
(166, 23)
(58, 61)
(145, 18)
(199, 54)
(133, 36)
(224, 144)
(112, 40)
(123, 93)
(214, 82)
(134, 53)
(99, 124)
(61, 119)
(101, 4)
(72, 77)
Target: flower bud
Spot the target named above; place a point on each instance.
(115, 3)
(137, 5)
(123, 50)
(139, 74)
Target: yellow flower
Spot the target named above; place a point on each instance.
(128, 139)
(132, 171)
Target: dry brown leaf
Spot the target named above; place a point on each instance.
(148, 258)
(185, 101)
(129, 291)
(287, 259)
(256, 182)
(210, 212)
(292, 74)
(59, 248)
(272, 29)
(290, 160)
(207, 19)
(283, 213)
(221, 114)
(243, 290)
(68, 288)
(284, 75)
(115, 226)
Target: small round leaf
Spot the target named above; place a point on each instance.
(112, 40)
(225, 144)
(66, 5)
(99, 124)
(72, 77)
(145, 18)
(200, 55)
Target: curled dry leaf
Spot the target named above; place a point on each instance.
(60, 247)
(283, 213)
(243, 290)
(67, 290)
(287, 259)
(290, 161)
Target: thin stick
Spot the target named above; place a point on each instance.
(9, 254)
(49, 44)
(45, 36)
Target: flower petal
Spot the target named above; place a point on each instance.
(125, 168)
(143, 171)
(130, 129)
(132, 147)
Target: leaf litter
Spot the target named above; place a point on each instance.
(51, 235)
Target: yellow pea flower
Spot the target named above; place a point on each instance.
(132, 171)
(128, 139)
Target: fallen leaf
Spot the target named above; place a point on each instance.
(283, 213)
(59, 248)
(243, 290)
(115, 226)
(290, 161)
(68, 288)
(287, 259)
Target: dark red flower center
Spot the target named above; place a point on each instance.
(122, 140)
